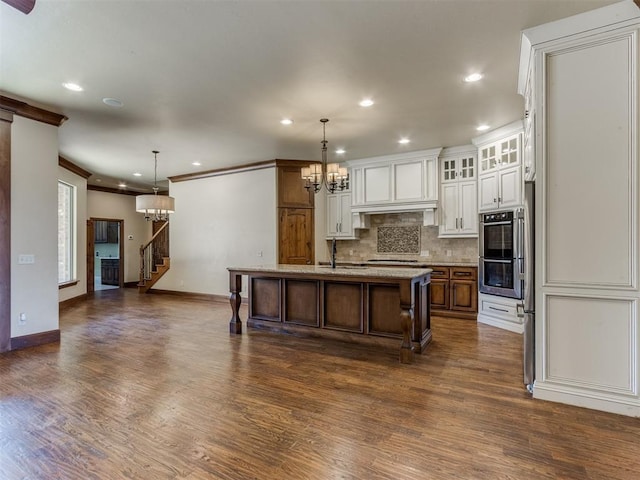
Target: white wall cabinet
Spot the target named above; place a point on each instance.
(584, 140)
(396, 183)
(339, 224)
(500, 168)
(458, 197)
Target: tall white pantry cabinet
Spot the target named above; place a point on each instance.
(580, 77)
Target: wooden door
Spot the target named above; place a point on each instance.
(295, 234)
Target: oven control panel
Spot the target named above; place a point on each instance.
(497, 217)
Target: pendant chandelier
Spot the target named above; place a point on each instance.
(155, 207)
(332, 176)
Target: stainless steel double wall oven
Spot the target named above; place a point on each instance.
(502, 253)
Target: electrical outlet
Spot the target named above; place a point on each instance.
(22, 319)
(424, 253)
(449, 253)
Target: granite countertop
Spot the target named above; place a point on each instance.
(403, 264)
(350, 270)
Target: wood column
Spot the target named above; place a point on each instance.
(235, 299)
(5, 230)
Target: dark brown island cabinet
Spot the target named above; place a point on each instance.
(380, 306)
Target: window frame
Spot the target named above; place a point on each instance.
(71, 237)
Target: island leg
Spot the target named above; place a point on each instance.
(235, 287)
(406, 349)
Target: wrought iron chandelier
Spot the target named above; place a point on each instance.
(155, 207)
(332, 176)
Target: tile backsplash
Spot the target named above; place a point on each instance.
(402, 236)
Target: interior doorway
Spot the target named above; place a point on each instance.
(105, 254)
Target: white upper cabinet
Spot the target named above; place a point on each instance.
(500, 168)
(339, 223)
(396, 183)
(458, 199)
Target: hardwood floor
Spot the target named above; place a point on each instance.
(154, 387)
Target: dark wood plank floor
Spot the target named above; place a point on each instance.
(154, 387)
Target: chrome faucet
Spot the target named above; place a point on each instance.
(333, 253)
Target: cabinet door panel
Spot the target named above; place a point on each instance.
(510, 187)
(440, 294)
(408, 181)
(464, 295)
(346, 228)
(450, 217)
(333, 212)
(377, 184)
(296, 236)
(487, 193)
(291, 191)
(468, 207)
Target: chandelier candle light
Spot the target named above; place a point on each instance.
(332, 176)
(155, 207)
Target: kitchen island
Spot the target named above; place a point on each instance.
(384, 306)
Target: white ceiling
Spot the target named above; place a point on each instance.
(209, 81)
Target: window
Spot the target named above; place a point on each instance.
(66, 232)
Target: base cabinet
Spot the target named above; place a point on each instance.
(501, 312)
(454, 291)
(110, 271)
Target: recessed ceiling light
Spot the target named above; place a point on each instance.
(367, 102)
(404, 141)
(137, 174)
(112, 102)
(482, 128)
(340, 151)
(474, 77)
(98, 180)
(196, 164)
(74, 87)
(286, 121)
(122, 185)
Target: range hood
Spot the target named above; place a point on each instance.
(360, 214)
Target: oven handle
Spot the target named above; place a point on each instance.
(489, 260)
(508, 222)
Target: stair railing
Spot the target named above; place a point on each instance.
(147, 256)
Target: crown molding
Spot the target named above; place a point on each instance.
(72, 167)
(29, 111)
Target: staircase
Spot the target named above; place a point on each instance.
(154, 257)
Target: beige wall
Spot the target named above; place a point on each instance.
(81, 233)
(220, 222)
(34, 226)
(122, 207)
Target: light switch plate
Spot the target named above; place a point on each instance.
(26, 259)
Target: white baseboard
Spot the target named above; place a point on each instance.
(496, 322)
(620, 405)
